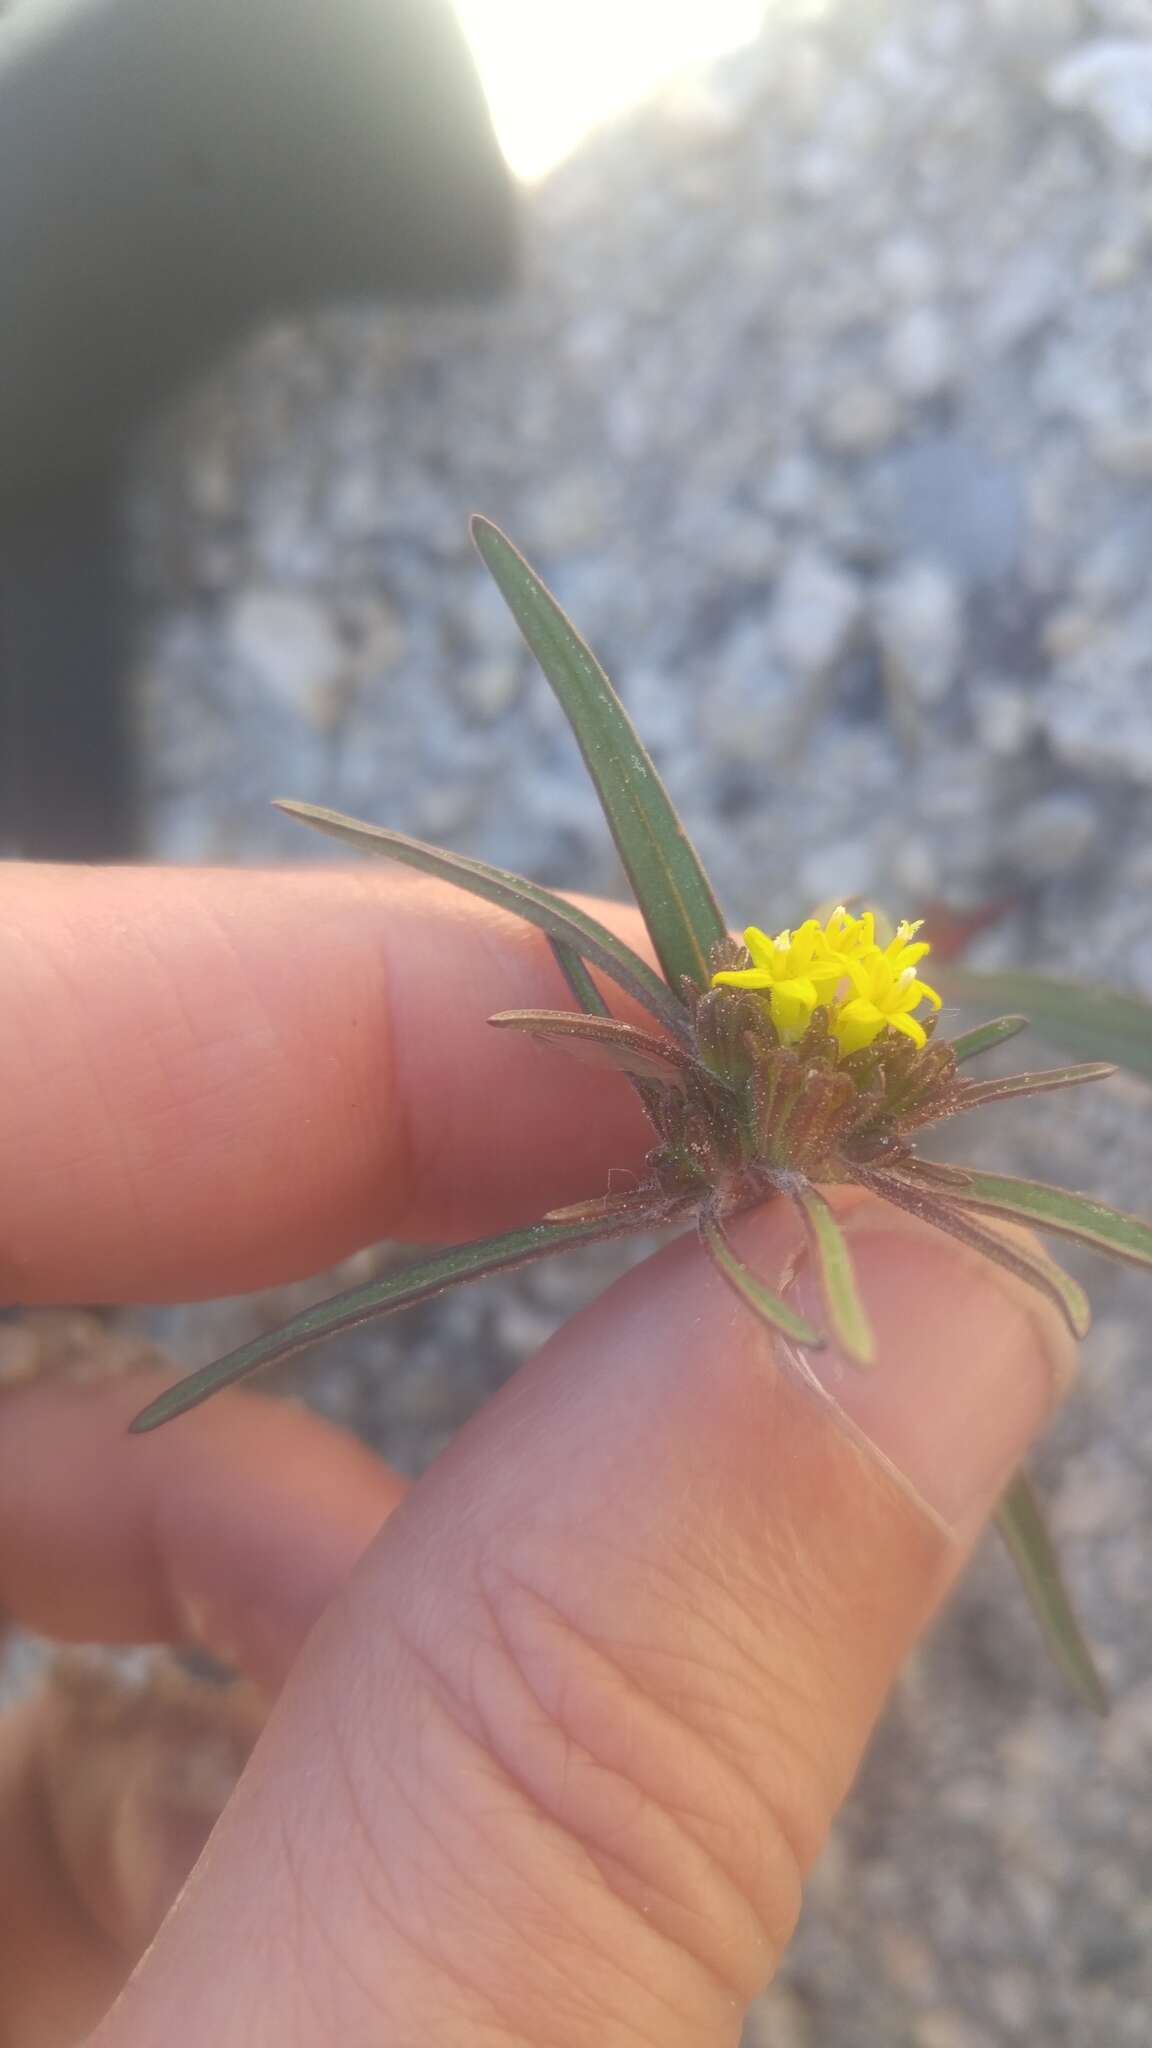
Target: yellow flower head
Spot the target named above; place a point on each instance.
(866, 988)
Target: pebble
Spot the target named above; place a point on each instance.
(490, 688)
(943, 2029)
(285, 644)
(1098, 716)
(1110, 79)
(834, 873)
(919, 624)
(780, 2021)
(1054, 835)
(1125, 449)
(858, 418)
(1004, 716)
(920, 354)
(816, 610)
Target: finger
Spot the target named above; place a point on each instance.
(110, 1784)
(232, 1541)
(230, 1535)
(552, 1768)
(213, 1081)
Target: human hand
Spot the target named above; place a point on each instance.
(572, 1722)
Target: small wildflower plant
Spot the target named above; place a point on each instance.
(772, 1068)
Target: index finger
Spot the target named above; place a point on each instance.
(216, 1080)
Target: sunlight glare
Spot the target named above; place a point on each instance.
(553, 69)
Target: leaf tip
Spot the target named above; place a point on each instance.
(860, 1350)
(151, 1417)
(486, 535)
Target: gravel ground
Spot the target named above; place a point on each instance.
(826, 408)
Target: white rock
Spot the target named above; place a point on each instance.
(915, 862)
(778, 2020)
(1115, 567)
(1131, 16)
(1069, 631)
(490, 688)
(791, 487)
(920, 354)
(1098, 716)
(289, 647)
(1053, 835)
(943, 2028)
(1113, 265)
(1022, 300)
(817, 608)
(1109, 78)
(1004, 716)
(1124, 448)
(830, 874)
(908, 267)
(859, 417)
(1033, 24)
(749, 708)
(919, 618)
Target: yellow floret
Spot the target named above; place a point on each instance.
(866, 988)
(795, 970)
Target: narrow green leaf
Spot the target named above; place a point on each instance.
(640, 1208)
(768, 1306)
(936, 1173)
(579, 980)
(576, 974)
(1090, 1023)
(561, 920)
(674, 894)
(403, 1289)
(851, 1329)
(1063, 1213)
(1022, 1523)
(939, 1207)
(996, 1032)
(600, 1042)
(1003, 1087)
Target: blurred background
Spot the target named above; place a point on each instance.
(805, 348)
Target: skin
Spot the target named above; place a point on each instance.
(557, 1732)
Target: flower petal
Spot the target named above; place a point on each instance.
(742, 977)
(910, 1027)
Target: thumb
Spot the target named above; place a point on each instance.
(553, 1766)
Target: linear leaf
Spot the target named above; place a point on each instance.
(1004, 1086)
(641, 1208)
(576, 974)
(935, 1172)
(997, 1031)
(579, 980)
(560, 919)
(600, 1042)
(850, 1326)
(671, 888)
(1063, 1213)
(771, 1309)
(1022, 1523)
(939, 1207)
(1089, 1023)
(967, 1095)
(403, 1289)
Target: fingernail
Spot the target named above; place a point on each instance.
(970, 1363)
